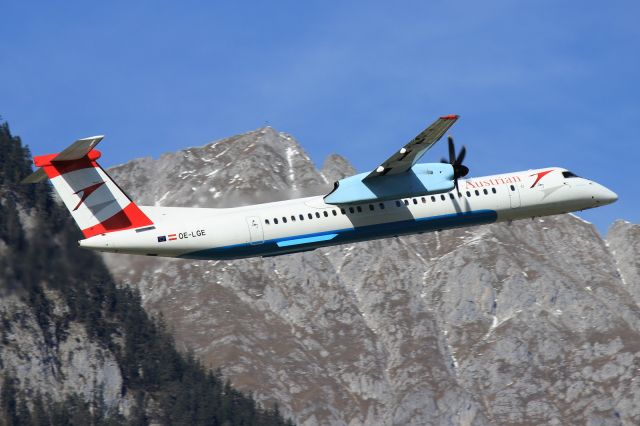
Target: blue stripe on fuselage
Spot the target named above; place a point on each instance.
(296, 243)
(305, 240)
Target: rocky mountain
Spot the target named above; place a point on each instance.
(623, 241)
(75, 348)
(529, 323)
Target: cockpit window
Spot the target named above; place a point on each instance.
(569, 174)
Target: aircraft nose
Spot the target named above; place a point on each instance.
(606, 196)
(611, 196)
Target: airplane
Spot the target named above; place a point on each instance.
(399, 197)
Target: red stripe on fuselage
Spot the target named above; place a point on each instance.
(129, 218)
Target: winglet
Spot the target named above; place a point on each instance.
(450, 117)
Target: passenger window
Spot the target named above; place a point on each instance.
(451, 195)
(477, 192)
(513, 188)
(398, 204)
(318, 215)
(381, 206)
(275, 221)
(424, 200)
(468, 194)
(343, 211)
(371, 207)
(406, 202)
(493, 190)
(485, 191)
(459, 195)
(266, 221)
(433, 198)
(293, 218)
(301, 217)
(310, 216)
(350, 209)
(325, 213)
(359, 209)
(442, 197)
(415, 201)
(335, 213)
(284, 219)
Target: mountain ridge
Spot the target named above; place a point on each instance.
(521, 323)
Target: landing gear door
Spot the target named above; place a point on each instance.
(514, 196)
(255, 230)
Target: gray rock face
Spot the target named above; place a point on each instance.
(254, 167)
(72, 364)
(336, 167)
(623, 240)
(526, 323)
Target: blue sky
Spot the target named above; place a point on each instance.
(536, 83)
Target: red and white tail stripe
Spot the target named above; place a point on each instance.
(95, 201)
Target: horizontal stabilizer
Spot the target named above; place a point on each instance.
(78, 149)
(75, 151)
(35, 177)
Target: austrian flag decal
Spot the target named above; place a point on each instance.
(170, 237)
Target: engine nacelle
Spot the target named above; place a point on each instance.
(421, 179)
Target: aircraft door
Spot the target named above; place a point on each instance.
(514, 196)
(255, 230)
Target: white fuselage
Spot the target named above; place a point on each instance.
(303, 224)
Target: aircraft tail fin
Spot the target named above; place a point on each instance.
(95, 201)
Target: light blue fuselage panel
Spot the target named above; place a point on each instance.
(421, 179)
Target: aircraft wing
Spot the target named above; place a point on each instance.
(409, 154)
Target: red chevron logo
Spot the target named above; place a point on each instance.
(86, 192)
(539, 175)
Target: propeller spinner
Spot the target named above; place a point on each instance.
(459, 169)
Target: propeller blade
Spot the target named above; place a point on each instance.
(461, 155)
(459, 170)
(452, 151)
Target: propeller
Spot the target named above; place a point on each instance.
(459, 169)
